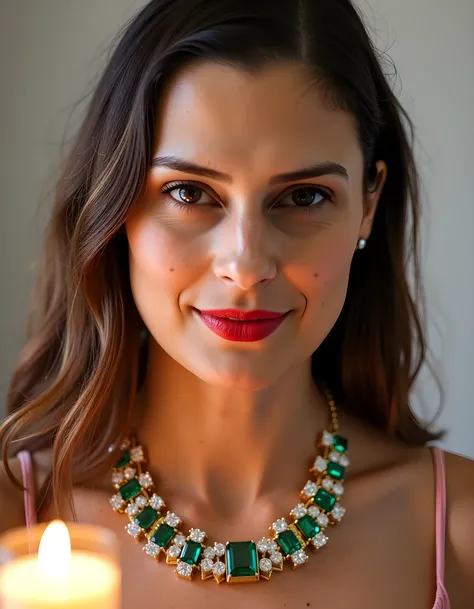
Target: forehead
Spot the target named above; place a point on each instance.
(232, 120)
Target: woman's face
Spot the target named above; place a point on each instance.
(237, 215)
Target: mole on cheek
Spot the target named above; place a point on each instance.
(171, 269)
(316, 275)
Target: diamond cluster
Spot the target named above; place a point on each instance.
(305, 528)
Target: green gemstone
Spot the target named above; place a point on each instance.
(336, 471)
(163, 535)
(124, 460)
(339, 443)
(288, 542)
(308, 526)
(325, 500)
(191, 552)
(130, 489)
(241, 558)
(146, 517)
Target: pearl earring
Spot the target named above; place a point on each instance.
(361, 244)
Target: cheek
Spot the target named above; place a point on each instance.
(331, 272)
(161, 261)
(323, 278)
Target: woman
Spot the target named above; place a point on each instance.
(224, 279)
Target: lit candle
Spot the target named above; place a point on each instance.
(60, 577)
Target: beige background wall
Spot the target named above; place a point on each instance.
(50, 51)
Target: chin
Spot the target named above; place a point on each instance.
(240, 378)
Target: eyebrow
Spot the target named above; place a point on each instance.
(314, 171)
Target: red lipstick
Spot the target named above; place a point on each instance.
(242, 326)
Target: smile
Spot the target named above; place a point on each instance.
(242, 326)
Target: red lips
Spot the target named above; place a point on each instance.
(242, 326)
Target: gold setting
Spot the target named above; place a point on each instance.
(138, 460)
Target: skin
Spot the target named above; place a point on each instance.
(230, 427)
(244, 244)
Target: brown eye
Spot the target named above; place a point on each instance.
(187, 193)
(305, 196)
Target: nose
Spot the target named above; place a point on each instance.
(245, 255)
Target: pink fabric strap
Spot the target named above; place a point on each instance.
(29, 483)
(442, 599)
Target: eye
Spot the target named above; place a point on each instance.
(305, 196)
(187, 193)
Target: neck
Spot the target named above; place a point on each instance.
(224, 447)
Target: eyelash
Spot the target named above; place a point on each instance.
(327, 198)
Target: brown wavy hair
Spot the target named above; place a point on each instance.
(74, 384)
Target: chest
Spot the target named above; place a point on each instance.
(381, 555)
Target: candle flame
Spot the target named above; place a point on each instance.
(54, 553)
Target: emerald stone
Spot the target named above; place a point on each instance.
(339, 443)
(163, 535)
(124, 460)
(307, 525)
(241, 558)
(146, 517)
(325, 500)
(336, 471)
(288, 542)
(191, 552)
(130, 489)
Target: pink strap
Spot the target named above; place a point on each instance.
(29, 483)
(442, 600)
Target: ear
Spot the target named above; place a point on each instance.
(372, 198)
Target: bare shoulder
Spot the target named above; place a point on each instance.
(11, 498)
(460, 528)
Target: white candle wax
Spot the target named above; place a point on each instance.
(92, 582)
